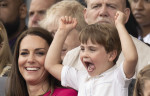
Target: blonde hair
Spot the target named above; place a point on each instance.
(142, 76)
(64, 8)
(5, 53)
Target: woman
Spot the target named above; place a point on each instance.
(141, 12)
(5, 53)
(28, 75)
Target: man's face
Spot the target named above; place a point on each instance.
(37, 11)
(9, 15)
(103, 11)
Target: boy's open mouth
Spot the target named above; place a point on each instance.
(90, 66)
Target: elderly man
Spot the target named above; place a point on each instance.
(37, 11)
(103, 11)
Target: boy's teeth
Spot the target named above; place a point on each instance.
(32, 69)
(91, 67)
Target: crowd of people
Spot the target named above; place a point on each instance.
(75, 48)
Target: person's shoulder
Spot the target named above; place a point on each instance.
(74, 50)
(66, 92)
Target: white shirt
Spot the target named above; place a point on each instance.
(146, 39)
(110, 83)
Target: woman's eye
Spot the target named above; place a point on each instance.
(40, 53)
(23, 53)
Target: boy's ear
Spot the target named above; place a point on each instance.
(23, 11)
(112, 55)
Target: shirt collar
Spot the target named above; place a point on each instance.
(103, 74)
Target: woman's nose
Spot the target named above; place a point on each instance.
(139, 5)
(31, 58)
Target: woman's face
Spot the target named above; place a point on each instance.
(32, 53)
(141, 11)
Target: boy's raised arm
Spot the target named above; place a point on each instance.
(127, 44)
(53, 58)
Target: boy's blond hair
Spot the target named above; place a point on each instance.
(103, 34)
(64, 8)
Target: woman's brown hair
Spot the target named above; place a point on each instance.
(17, 83)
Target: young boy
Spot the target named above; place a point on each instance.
(100, 48)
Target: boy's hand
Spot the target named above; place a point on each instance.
(120, 18)
(67, 23)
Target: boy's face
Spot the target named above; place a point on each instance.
(95, 58)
